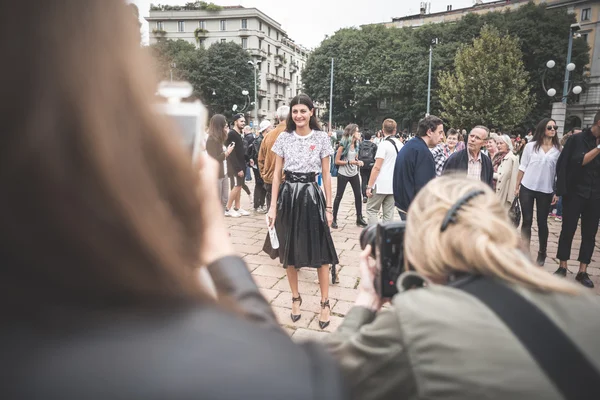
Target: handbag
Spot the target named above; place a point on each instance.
(333, 169)
(514, 212)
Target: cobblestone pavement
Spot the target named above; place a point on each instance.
(248, 235)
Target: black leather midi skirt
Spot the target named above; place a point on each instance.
(301, 225)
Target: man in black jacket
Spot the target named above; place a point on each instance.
(578, 181)
(236, 166)
(471, 160)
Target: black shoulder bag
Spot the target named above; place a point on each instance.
(562, 362)
(389, 139)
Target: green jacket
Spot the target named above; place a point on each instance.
(441, 343)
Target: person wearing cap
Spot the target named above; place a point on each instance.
(260, 192)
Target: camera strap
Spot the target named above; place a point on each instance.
(561, 360)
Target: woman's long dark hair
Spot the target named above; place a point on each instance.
(216, 128)
(305, 100)
(540, 134)
(99, 205)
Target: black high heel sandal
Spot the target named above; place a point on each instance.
(297, 316)
(325, 324)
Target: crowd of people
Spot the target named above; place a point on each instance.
(108, 223)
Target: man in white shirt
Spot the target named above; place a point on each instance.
(380, 189)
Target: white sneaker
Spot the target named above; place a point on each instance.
(232, 213)
(261, 210)
(242, 212)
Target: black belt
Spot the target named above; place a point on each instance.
(300, 177)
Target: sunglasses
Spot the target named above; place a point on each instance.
(551, 128)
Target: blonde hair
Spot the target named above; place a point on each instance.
(482, 241)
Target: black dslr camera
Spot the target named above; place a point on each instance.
(387, 242)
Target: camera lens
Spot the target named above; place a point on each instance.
(367, 236)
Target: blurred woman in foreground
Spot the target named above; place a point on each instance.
(103, 233)
(475, 319)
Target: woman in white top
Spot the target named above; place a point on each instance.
(535, 182)
(506, 176)
(346, 158)
(299, 212)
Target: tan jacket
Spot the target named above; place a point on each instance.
(506, 177)
(266, 158)
(441, 343)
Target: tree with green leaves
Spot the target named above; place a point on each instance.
(489, 84)
(218, 74)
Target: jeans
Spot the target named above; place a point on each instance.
(248, 174)
(559, 207)
(259, 189)
(342, 181)
(376, 202)
(365, 174)
(574, 207)
(223, 190)
(543, 202)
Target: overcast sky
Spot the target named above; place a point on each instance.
(308, 21)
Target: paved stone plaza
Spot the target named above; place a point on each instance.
(248, 235)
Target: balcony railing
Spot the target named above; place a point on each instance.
(258, 53)
(278, 79)
(262, 93)
(279, 96)
(262, 113)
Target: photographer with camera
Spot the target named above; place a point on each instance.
(474, 317)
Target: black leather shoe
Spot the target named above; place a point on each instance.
(296, 317)
(360, 221)
(324, 324)
(541, 258)
(584, 279)
(364, 200)
(334, 224)
(561, 272)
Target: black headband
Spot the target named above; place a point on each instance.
(451, 215)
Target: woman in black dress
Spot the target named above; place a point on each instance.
(299, 212)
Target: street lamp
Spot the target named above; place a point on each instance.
(255, 67)
(433, 41)
(559, 109)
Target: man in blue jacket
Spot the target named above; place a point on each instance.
(414, 164)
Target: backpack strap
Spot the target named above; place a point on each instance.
(389, 139)
(561, 360)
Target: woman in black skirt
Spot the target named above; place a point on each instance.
(299, 212)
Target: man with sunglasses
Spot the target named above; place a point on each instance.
(472, 160)
(578, 181)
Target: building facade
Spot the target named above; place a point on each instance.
(587, 12)
(279, 59)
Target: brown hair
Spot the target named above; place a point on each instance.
(430, 122)
(99, 203)
(218, 122)
(540, 133)
(389, 126)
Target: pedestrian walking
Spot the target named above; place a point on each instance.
(217, 134)
(535, 182)
(578, 182)
(366, 154)
(346, 158)
(266, 158)
(236, 168)
(507, 169)
(414, 163)
(380, 189)
(299, 212)
(259, 185)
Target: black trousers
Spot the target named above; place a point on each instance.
(365, 174)
(259, 189)
(575, 206)
(268, 187)
(342, 181)
(542, 202)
